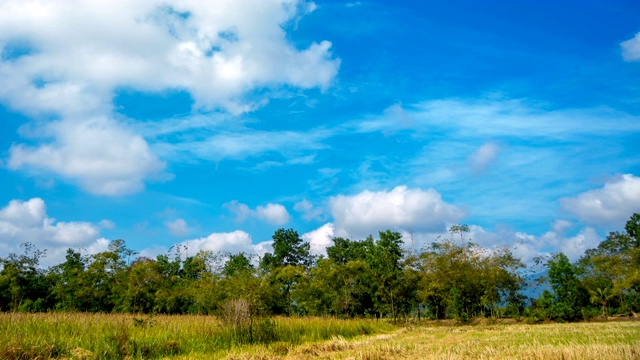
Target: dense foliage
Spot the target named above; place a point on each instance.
(450, 278)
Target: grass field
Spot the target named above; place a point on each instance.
(619, 340)
(106, 336)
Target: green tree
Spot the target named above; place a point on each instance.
(288, 250)
(284, 267)
(614, 264)
(601, 296)
(386, 272)
(22, 282)
(70, 286)
(461, 279)
(143, 280)
(568, 293)
(237, 264)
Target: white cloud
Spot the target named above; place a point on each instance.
(319, 239)
(523, 245)
(631, 48)
(612, 204)
(483, 157)
(177, 227)
(243, 143)
(217, 50)
(239, 210)
(233, 242)
(27, 221)
(530, 246)
(560, 226)
(107, 224)
(494, 118)
(68, 59)
(103, 156)
(399, 209)
(309, 212)
(274, 214)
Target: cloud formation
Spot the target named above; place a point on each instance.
(274, 214)
(216, 50)
(612, 204)
(178, 227)
(319, 239)
(496, 118)
(399, 209)
(27, 221)
(102, 156)
(631, 48)
(67, 59)
(483, 157)
(308, 211)
(233, 242)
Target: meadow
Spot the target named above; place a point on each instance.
(120, 336)
(110, 336)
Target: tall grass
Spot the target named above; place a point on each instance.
(109, 336)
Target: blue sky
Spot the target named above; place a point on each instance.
(214, 123)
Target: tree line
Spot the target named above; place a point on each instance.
(449, 278)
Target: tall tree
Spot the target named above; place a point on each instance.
(614, 265)
(21, 279)
(384, 262)
(568, 291)
(288, 250)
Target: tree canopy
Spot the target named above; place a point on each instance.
(448, 278)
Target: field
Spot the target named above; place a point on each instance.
(106, 336)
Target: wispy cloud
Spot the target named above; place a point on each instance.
(495, 118)
(631, 48)
(483, 157)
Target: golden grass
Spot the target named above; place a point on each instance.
(615, 340)
(108, 336)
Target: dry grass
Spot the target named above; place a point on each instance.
(102, 336)
(615, 340)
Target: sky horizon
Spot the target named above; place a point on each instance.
(215, 123)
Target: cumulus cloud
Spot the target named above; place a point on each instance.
(528, 246)
(274, 214)
(178, 227)
(233, 242)
(101, 155)
(560, 226)
(612, 204)
(217, 50)
(483, 157)
(27, 221)
(400, 209)
(319, 239)
(239, 210)
(631, 48)
(67, 59)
